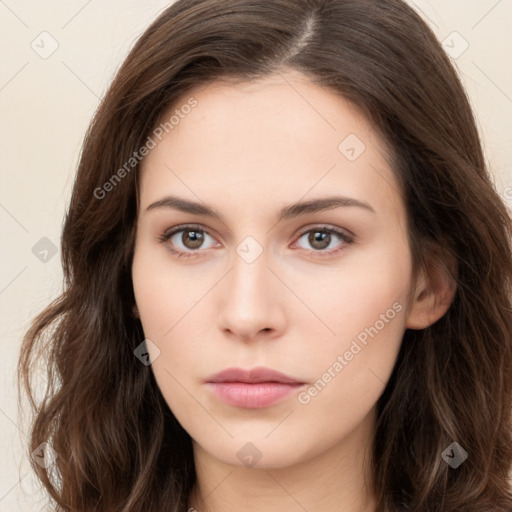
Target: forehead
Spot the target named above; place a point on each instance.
(277, 138)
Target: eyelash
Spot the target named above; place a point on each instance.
(164, 237)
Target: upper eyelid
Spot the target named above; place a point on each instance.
(187, 227)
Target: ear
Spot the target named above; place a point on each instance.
(135, 311)
(433, 295)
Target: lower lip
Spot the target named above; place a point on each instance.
(252, 396)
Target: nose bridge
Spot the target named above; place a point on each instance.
(250, 275)
(249, 300)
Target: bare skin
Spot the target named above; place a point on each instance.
(247, 151)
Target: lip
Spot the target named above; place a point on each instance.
(252, 389)
(252, 376)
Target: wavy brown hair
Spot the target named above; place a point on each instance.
(119, 446)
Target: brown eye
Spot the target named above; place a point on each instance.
(319, 239)
(192, 239)
(186, 240)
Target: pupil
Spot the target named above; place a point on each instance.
(195, 237)
(319, 236)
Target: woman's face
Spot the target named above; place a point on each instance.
(271, 280)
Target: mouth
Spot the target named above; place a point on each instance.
(256, 375)
(252, 389)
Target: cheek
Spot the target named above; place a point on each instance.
(362, 306)
(171, 303)
(163, 304)
(349, 370)
(164, 293)
(359, 290)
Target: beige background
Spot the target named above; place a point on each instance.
(47, 103)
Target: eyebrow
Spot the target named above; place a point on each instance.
(288, 212)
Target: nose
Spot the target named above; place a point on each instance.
(251, 300)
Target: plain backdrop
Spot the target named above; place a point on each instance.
(58, 57)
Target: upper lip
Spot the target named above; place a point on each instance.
(252, 376)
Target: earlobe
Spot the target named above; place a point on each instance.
(135, 311)
(433, 296)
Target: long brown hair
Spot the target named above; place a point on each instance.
(119, 446)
